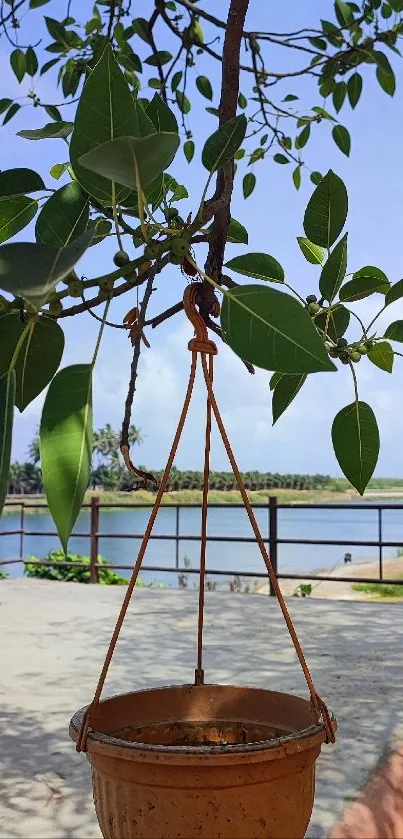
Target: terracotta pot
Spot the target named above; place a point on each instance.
(209, 761)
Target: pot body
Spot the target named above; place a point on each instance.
(208, 761)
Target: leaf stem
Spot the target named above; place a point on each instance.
(364, 331)
(28, 327)
(97, 345)
(376, 317)
(354, 375)
(115, 217)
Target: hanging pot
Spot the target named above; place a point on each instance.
(200, 760)
(208, 761)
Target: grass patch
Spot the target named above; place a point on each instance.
(380, 589)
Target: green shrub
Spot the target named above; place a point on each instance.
(69, 574)
(3, 575)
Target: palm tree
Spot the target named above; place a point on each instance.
(33, 450)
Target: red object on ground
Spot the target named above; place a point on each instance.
(378, 813)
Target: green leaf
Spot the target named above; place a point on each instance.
(140, 28)
(302, 138)
(155, 84)
(161, 115)
(386, 11)
(50, 131)
(290, 98)
(296, 176)
(176, 80)
(32, 271)
(316, 178)
(395, 293)
(281, 158)
(11, 113)
(355, 438)
(64, 216)
(145, 124)
(53, 113)
(382, 356)
(35, 4)
(258, 265)
(272, 330)
(117, 160)
(18, 64)
(189, 150)
(248, 184)
(237, 233)
(284, 392)
(334, 270)
(339, 95)
(19, 182)
(7, 396)
(366, 281)
(39, 356)
(48, 65)
(386, 81)
(343, 13)
(66, 445)
(182, 102)
(105, 112)
(15, 213)
(5, 104)
(313, 253)
(395, 331)
(222, 145)
(242, 101)
(326, 212)
(57, 170)
(274, 379)
(354, 89)
(342, 139)
(204, 87)
(31, 62)
(158, 58)
(334, 323)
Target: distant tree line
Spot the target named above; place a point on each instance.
(109, 473)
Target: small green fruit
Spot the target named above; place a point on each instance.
(76, 288)
(355, 356)
(180, 246)
(369, 345)
(344, 357)
(362, 349)
(313, 308)
(333, 352)
(342, 342)
(121, 258)
(311, 298)
(171, 213)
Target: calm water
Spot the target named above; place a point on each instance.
(304, 523)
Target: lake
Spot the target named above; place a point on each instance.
(297, 523)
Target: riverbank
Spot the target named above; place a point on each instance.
(369, 568)
(193, 496)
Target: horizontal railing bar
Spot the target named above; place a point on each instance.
(290, 505)
(215, 572)
(10, 561)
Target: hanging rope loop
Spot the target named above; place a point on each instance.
(201, 344)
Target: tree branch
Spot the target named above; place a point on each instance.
(124, 438)
(225, 177)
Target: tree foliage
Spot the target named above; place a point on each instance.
(127, 93)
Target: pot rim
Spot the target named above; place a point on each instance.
(316, 731)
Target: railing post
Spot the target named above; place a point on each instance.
(380, 543)
(22, 525)
(273, 538)
(177, 538)
(94, 538)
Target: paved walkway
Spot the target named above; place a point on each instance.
(53, 640)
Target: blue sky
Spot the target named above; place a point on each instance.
(300, 442)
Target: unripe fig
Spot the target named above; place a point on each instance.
(355, 356)
(313, 308)
(311, 298)
(180, 246)
(342, 342)
(362, 349)
(121, 258)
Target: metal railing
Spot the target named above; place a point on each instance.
(272, 540)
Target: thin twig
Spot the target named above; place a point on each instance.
(124, 437)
